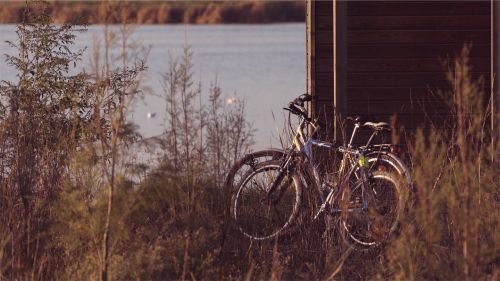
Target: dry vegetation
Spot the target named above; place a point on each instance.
(74, 207)
(162, 12)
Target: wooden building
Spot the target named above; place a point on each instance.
(386, 58)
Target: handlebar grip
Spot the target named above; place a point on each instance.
(294, 108)
(306, 97)
(300, 100)
(297, 101)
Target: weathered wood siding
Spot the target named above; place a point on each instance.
(396, 55)
(398, 52)
(496, 67)
(320, 53)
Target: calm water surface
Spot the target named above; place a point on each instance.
(264, 64)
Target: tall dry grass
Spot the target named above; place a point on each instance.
(452, 231)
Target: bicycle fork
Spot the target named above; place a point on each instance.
(283, 170)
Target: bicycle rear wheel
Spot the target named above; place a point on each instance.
(384, 161)
(249, 163)
(365, 227)
(259, 213)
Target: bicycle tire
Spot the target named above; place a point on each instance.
(369, 228)
(247, 163)
(386, 161)
(260, 217)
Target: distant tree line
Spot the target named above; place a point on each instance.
(163, 12)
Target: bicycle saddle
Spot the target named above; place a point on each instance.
(380, 126)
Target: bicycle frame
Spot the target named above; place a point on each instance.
(304, 145)
(355, 182)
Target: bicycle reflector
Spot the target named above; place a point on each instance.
(363, 162)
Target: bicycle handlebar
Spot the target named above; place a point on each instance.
(300, 100)
(296, 110)
(296, 107)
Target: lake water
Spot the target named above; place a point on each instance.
(264, 64)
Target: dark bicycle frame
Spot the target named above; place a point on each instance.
(304, 146)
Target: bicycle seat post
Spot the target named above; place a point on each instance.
(372, 136)
(356, 126)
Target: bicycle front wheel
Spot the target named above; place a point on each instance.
(372, 217)
(261, 213)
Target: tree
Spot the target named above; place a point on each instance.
(53, 112)
(47, 113)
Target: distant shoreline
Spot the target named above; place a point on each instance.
(149, 12)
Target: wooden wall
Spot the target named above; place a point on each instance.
(396, 55)
(320, 57)
(398, 51)
(496, 71)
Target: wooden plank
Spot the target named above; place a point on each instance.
(397, 79)
(325, 109)
(412, 51)
(402, 65)
(324, 79)
(325, 51)
(324, 8)
(415, 8)
(310, 46)
(324, 91)
(324, 38)
(376, 107)
(420, 22)
(340, 68)
(390, 106)
(418, 37)
(415, 96)
(408, 120)
(393, 94)
(324, 23)
(407, 65)
(395, 55)
(496, 65)
(433, 81)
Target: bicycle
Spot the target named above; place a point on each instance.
(269, 193)
(380, 157)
